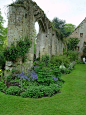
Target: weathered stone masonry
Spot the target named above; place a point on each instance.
(22, 18)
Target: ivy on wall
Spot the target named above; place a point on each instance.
(13, 52)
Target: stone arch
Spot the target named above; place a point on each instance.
(21, 25)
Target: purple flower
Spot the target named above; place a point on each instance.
(22, 76)
(33, 75)
(55, 79)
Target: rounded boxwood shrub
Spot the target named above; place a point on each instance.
(13, 90)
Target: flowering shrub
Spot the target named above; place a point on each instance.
(22, 76)
(33, 75)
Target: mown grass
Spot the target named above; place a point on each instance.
(71, 100)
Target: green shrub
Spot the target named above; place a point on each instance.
(24, 94)
(13, 90)
(72, 43)
(13, 52)
(3, 86)
(34, 92)
(9, 77)
(73, 56)
(40, 91)
(48, 91)
(59, 60)
(54, 87)
(44, 61)
(44, 76)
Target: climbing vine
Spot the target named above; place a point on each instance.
(13, 52)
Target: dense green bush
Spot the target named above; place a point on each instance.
(72, 43)
(13, 52)
(46, 74)
(73, 56)
(40, 91)
(2, 86)
(13, 90)
(59, 60)
(9, 77)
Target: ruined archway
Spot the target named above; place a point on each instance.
(22, 17)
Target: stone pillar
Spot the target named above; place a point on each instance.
(20, 26)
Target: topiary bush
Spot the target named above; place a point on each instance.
(13, 90)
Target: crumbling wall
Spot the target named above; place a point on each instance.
(21, 21)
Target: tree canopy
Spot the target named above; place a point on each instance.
(61, 25)
(3, 31)
(69, 28)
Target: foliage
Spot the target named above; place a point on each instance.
(59, 24)
(84, 53)
(46, 74)
(59, 60)
(40, 91)
(3, 86)
(28, 80)
(3, 31)
(13, 52)
(72, 43)
(2, 61)
(73, 56)
(13, 90)
(45, 60)
(72, 93)
(22, 79)
(69, 28)
(85, 42)
(9, 77)
(66, 29)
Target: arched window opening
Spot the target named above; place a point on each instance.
(36, 42)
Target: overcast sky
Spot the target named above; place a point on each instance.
(72, 11)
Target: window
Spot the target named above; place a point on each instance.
(81, 34)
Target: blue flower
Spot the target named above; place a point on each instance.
(55, 79)
(33, 75)
(22, 76)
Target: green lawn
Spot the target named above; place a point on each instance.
(71, 100)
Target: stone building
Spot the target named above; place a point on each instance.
(21, 24)
(80, 33)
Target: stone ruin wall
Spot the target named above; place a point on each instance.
(21, 23)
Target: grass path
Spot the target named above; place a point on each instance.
(71, 100)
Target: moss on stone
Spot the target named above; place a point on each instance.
(17, 5)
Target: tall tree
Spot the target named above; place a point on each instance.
(3, 31)
(69, 28)
(66, 29)
(59, 24)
